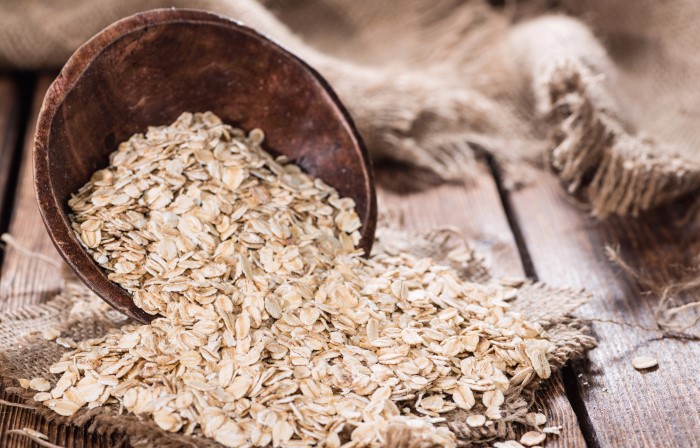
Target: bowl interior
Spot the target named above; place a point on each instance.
(148, 69)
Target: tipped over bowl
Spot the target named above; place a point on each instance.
(146, 70)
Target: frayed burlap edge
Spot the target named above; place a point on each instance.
(593, 145)
(614, 171)
(674, 313)
(79, 314)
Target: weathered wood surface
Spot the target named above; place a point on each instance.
(476, 211)
(25, 281)
(618, 406)
(624, 407)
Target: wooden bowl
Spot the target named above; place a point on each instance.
(150, 67)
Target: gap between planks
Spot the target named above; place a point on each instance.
(16, 93)
(568, 384)
(476, 211)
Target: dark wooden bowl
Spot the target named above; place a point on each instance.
(146, 70)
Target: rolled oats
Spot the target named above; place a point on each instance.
(272, 327)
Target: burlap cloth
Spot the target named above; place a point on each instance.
(79, 314)
(606, 95)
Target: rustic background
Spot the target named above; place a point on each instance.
(535, 231)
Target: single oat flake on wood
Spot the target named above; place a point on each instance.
(272, 328)
(644, 362)
(532, 438)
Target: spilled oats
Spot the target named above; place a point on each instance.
(271, 328)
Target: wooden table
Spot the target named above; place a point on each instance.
(536, 231)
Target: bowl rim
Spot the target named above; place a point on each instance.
(56, 220)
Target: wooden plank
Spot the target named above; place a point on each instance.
(10, 110)
(26, 281)
(477, 212)
(474, 210)
(625, 408)
(9, 130)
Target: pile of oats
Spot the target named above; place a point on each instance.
(274, 328)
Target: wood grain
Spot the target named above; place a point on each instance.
(625, 408)
(477, 212)
(25, 281)
(474, 210)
